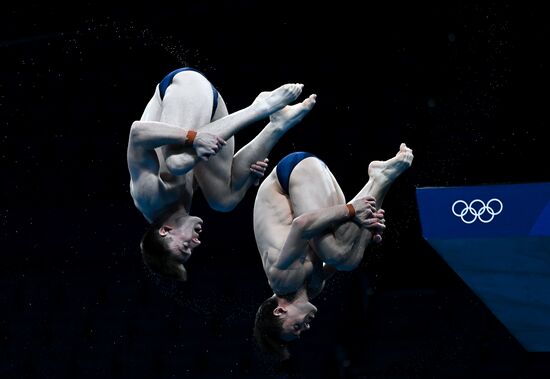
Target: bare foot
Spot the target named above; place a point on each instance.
(393, 167)
(273, 101)
(290, 115)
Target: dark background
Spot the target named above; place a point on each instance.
(464, 85)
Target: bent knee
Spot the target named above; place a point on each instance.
(349, 263)
(225, 205)
(342, 263)
(180, 164)
(337, 255)
(346, 267)
(336, 260)
(220, 200)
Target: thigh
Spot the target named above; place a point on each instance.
(214, 175)
(220, 164)
(312, 186)
(188, 103)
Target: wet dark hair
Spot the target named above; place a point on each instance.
(156, 254)
(268, 328)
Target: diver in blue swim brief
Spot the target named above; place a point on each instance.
(184, 141)
(305, 230)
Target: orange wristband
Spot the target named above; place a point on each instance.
(189, 138)
(351, 210)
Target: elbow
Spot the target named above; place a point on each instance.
(225, 205)
(136, 127)
(341, 262)
(136, 132)
(300, 222)
(221, 199)
(337, 260)
(346, 261)
(301, 225)
(348, 265)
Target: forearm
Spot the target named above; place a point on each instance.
(306, 227)
(152, 134)
(314, 223)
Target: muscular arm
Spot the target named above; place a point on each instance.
(148, 135)
(318, 226)
(151, 134)
(145, 136)
(305, 227)
(345, 245)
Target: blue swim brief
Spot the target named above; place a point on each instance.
(287, 164)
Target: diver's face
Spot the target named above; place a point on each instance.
(184, 237)
(297, 319)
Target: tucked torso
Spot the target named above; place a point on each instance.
(272, 221)
(168, 189)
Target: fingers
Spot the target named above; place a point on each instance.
(257, 171)
(206, 154)
(374, 225)
(262, 164)
(370, 202)
(369, 199)
(379, 215)
(219, 143)
(259, 168)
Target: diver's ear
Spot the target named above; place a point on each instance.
(279, 311)
(164, 229)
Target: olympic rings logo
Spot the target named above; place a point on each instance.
(477, 210)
